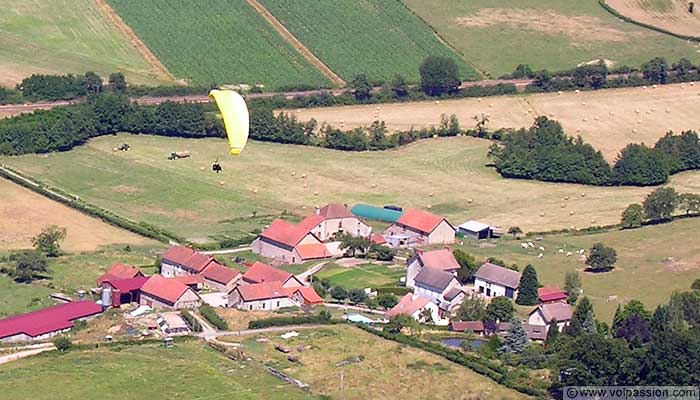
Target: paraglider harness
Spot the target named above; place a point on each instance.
(216, 167)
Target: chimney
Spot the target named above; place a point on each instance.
(317, 210)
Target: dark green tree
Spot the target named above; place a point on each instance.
(398, 87)
(695, 285)
(398, 323)
(660, 204)
(467, 265)
(339, 293)
(357, 296)
(572, 286)
(522, 71)
(617, 319)
(387, 300)
(439, 75)
(527, 291)
(63, 344)
(49, 240)
(117, 82)
(583, 319)
(361, 88)
(516, 340)
(632, 217)
(640, 165)
(29, 265)
(591, 360)
(472, 309)
(382, 253)
(92, 83)
(515, 231)
(320, 289)
(655, 70)
(552, 333)
(500, 309)
(683, 69)
(353, 244)
(601, 258)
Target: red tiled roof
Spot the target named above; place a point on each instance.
(218, 273)
(312, 251)
(48, 320)
(308, 294)
(178, 254)
(259, 273)
(335, 211)
(127, 285)
(440, 259)
(377, 238)
(560, 311)
(467, 326)
(169, 290)
(420, 220)
(119, 271)
(283, 232)
(550, 293)
(262, 291)
(188, 280)
(408, 305)
(198, 262)
(310, 222)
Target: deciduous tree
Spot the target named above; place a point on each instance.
(632, 217)
(49, 240)
(601, 258)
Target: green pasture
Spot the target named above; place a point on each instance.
(361, 276)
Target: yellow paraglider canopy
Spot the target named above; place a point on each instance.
(235, 113)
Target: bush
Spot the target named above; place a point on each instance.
(212, 317)
(339, 293)
(192, 322)
(321, 319)
(63, 343)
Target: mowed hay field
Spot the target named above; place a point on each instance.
(185, 197)
(652, 262)
(142, 372)
(672, 15)
(381, 369)
(65, 36)
(379, 38)
(23, 214)
(497, 35)
(650, 111)
(207, 42)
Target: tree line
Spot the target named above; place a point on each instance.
(543, 152)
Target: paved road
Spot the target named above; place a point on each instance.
(305, 275)
(226, 251)
(353, 308)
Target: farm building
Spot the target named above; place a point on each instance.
(493, 280)
(46, 323)
(377, 238)
(305, 296)
(419, 228)
(263, 273)
(119, 271)
(260, 296)
(475, 230)
(194, 282)
(159, 292)
(376, 213)
(173, 324)
(414, 306)
(475, 327)
(179, 260)
(434, 284)
(281, 241)
(439, 259)
(220, 278)
(124, 291)
(535, 332)
(544, 313)
(551, 294)
(332, 219)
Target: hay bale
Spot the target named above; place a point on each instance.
(221, 183)
(634, 130)
(583, 195)
(294, 173)
(437, 101)
(374, 185)
(577, 91)
(303, 176)
(541, 214)
(578, 130)
(490, 105)
(551, 114)
(583, 103)
(668, 110)
(563, 205)
(566, 197)
(653, 86)
(469, 201)
(202, 168)
(305, 185)
(593, 221)
(428, 206)
(572, 212)
(315, 193)
(596, 118)
(479, 99)
(431, 194)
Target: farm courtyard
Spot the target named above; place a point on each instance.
(448, 174)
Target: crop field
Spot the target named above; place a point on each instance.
(652, 262)
(216, 42)
(448, 174)
(65, 36)
(202, 373)
(361, 276)
(374, 37)
(672, 16)
(497, 35)
(23, 214)
(607, 119)
(375, 368)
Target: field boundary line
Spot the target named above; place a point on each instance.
(625, 18)
(160, 69)
(294, 42)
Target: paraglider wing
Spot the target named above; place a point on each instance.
(235, 114)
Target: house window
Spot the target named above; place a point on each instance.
(250, 307)
(278, 304)
(294, 259)
(481, 289)
(263, 306)
(488, 292)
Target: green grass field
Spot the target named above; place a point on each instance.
(374, 37)
(382, 369)
(64, 36)
(496, 36)
(69, 273)
(216, 42)
(653, 262)
(189, 370)
(185, 197)
(361, 276)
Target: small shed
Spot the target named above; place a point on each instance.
(376, 213)
(475, 230)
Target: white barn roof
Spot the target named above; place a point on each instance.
(474, 226)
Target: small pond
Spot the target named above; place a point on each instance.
(457, 343)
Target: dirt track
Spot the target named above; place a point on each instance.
(23, 214)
